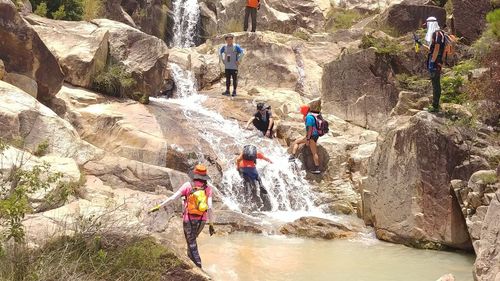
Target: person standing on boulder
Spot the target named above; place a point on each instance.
(231, 55)
(251, 11)
(316, 126)
(263, 120)
(197, 209)
(436, 44)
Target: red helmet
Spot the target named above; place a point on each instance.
(304, 109)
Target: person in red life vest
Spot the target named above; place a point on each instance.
(197, 209)
(316, 127)
(246, 165)
(251, 11)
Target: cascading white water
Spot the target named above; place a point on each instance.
(288, 190)
(186, 17)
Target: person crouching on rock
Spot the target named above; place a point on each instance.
(197, 196)
(263, 120)
(231, 55)
(316, 126)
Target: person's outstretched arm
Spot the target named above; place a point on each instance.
(249, 122)
(261, 156)
(210, 213)
(271, 122)
(172, 198)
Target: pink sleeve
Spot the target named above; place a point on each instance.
(208, 191)
(185, 188)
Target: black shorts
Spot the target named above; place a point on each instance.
(315, 138)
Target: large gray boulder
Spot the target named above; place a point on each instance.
(23, 118)
(80, 47)
(142, 55)
(470, 18)
(407, 192)
(408, 17)
(360, 88)
(23, 52)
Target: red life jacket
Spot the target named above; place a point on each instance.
(252, 3)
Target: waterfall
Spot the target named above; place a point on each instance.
(287, 188)
(186, 17)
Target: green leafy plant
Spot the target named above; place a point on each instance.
(41, 148)
(343, 18)
(493, 19)
(61, 9)
(41, 9)
(60, 14)
(463, 67)
(382, 45)
(412, 83)
(92, 9)
(451, 88)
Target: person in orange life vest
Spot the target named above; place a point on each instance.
(197, 209)
(246, 165)
(310, 139)
(251, 11)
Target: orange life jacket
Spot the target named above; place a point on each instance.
(252, 3)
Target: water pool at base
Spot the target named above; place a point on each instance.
(251, 257)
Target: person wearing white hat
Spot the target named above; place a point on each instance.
(436, 43)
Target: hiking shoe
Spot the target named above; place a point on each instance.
(234, 93)
(432, 109)
(226, 93)
(316, 171)
(263, 190)
(291, 158)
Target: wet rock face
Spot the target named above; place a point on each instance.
(312, 227)
(366, 104)
(23, 52)
(470, 18)
(410, 172)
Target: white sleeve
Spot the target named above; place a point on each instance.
(174, 196)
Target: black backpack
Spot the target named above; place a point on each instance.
(250, 153)
(321, 124)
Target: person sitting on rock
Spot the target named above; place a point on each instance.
(197, 196)
(251, 11)
(263, 120)
(231, 55)
(246, 165)
(313, 132)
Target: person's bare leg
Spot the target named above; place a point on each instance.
(296, 145)
(314, 150)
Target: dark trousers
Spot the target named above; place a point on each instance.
(231, 73)
(436, 87)
(250, 12)
(262, 126)
(192, 229)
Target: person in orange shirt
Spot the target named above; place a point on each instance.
(245, 164)
(251, 10)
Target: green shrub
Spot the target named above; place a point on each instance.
(451, 89)
(91, 257)
(463, 67)
(115, 81)
(60, 9)
(60, 14)
(41, 9)
(92, 9)
(41, 148)
(301, 35)
(412, 83)
(493, 19)
(343, 18)
(382, 45)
